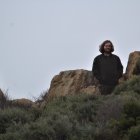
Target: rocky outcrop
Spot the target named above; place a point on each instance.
(72, 82)
(24, 103)
(133, 66)
(82, 81)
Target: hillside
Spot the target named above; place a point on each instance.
(73, 109)
(78, 117)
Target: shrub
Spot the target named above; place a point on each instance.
(10, 136)
(13, 116)
(48, 128)
(134, 133)
(130, 117)
(4, 99)
(132, 85)
(132, 109)
(76, 117)
(110, 108)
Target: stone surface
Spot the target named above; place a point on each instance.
(72, 82)
(90, 90)
(133, 66)
(22, 102)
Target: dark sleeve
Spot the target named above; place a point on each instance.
(120, 68)
(95, 69)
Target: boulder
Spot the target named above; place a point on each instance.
(25, 103)
(72, 82)
(133, 66)
(90, 90)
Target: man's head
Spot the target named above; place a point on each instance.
(106, 47)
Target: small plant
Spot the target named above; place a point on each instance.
(130, 118)
(134, 133)
(132, 85)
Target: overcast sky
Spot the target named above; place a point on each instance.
(40, 38)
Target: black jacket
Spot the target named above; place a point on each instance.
(107, 69)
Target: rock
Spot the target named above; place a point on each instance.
(25, 103)
(5, 102)
(133, 66)
(72, 82)
(90, 90)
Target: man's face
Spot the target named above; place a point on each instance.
(107, 47)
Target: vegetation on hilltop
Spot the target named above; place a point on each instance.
(78, 117)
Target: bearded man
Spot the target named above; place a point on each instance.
(107, 68)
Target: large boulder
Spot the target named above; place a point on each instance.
(133, 66)
(72, 82)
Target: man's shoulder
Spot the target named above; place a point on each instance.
(98, 56)
(115, 56)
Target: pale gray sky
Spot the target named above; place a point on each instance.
(40, 38)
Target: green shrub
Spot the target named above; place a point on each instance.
(77, 117)
(10, 136)
(132, 109)
(53, 127)
(104, 134)
(13, 116)
(130, 117)
(110, 108)
(134, 133)
(132, 85)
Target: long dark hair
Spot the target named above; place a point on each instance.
(101, 47)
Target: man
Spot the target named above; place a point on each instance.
(107, 68)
